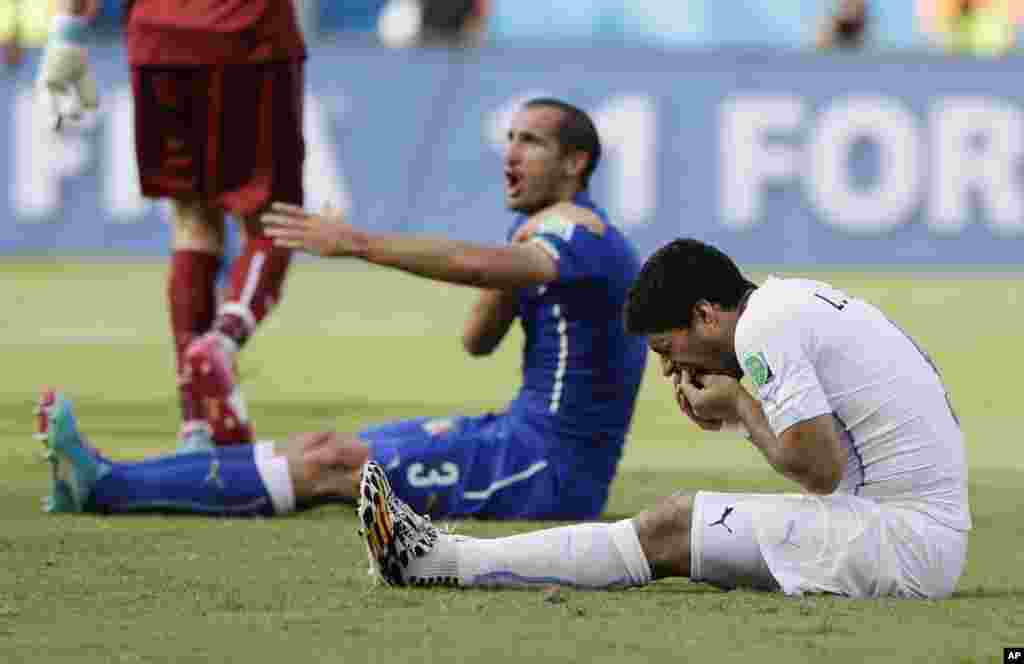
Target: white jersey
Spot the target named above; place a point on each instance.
(813, 350)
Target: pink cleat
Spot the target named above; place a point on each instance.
(47, 401)
(210, 365)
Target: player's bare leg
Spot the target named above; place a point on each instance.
(664, 534)
(325, 466)
(257, 276)
(197, 251)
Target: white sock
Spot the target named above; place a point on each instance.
(227, 344)
(589, 555)
(277, 480)
(264, 449)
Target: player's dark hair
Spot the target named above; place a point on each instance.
(674, 279)
(576, 132)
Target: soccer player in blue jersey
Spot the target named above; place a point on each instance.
(552, 453)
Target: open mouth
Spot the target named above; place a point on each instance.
(513, 184)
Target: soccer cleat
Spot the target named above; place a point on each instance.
(75, 467)
(211, 368)
(61, 500)
(47, 398)
(395, 535)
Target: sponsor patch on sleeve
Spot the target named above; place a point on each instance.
(557, 225)
(756, 366)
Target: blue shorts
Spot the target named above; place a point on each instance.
(487, 467)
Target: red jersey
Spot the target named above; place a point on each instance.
(212, 32)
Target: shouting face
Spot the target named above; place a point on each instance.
(538, 171)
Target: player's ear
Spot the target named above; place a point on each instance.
(704, 313)
(575, 163)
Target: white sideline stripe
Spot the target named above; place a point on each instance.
(251, 278)
(511, 479)
(563, 356)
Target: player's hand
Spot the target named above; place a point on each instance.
(66, 83)
(712, 397)
(324, 234)
(705, 423)
(673, 373)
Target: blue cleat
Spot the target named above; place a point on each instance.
(60, 500)
(74, 466)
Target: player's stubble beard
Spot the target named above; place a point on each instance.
(535, 196)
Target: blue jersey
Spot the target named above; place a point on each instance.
(553, 453)
(581, 370)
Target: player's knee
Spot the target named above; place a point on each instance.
(664, 533)
(197, 226)
(329, 450)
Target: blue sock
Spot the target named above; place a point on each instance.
(231, 452)
(215, 484)
(235, 452)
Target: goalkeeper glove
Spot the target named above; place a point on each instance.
(65, 81)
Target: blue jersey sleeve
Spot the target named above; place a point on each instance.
(578, 251)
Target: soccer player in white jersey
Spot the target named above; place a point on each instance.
(847, 406)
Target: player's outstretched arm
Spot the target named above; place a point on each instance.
(496, 267)
(65, 81)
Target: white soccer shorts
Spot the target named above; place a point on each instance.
(841, 544)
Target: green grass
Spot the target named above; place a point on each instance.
(353, 346)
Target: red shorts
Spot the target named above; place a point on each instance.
(228, 135)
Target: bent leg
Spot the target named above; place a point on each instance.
(197, 248)
(656, 544)
(255, 286)
(260, 156)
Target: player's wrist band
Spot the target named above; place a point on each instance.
(68, 29)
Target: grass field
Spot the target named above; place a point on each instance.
(354, 346)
